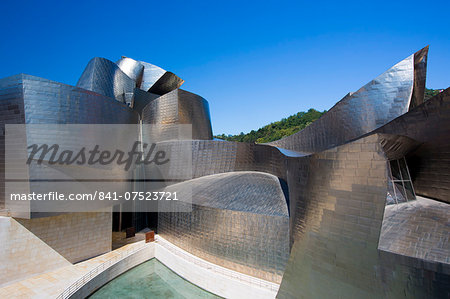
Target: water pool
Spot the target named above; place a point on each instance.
(151, 279)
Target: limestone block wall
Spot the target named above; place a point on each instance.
(76, 236)
(22, 254)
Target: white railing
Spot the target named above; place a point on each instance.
(215, 268)
(74, 287)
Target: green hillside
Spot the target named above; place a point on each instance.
(289, 126)
(278, 129)
(429, 93)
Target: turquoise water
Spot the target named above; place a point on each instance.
(150, 280)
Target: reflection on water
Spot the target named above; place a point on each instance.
(150, 280)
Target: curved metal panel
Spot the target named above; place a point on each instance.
(239, 221)
(39, 100)
(375, 104)
(159, 81)
(338, 217)
(166, 83)
(141, 99)
(180, 107)
(429, 124)
(214, 157)
(420, 74)
(424, 221)
(151, 74)
(105, 77)
(132, 69)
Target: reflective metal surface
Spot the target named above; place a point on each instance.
(151, 74)
(132, 69)
(373, 105)
(141, 99)
(321, 194)
(420, 74)
(168, 82)
(180, 107)
(159, 81)
(423, 220)
(105, 77)
(27, 99)
(429, 164)
(239, 220)
(150, 77)
(214, 157)
(338, 219)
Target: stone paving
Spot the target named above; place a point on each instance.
(51, 284)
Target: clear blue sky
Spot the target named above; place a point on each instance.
(255, 62)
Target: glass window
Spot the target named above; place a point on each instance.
(400, 187)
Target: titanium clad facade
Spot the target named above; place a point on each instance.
(51, 102)
(11, 112)
(168, 82)
(214, 157)
(34, 100)
(159, 81)
(151, 74)
(423, 220)
(150, 77)
(105, 77)
(429, 164)
(180, 107)
(239, 220)
(141, 99)
(375, 104)
(338, 218)
(132, 69)
(420, 75)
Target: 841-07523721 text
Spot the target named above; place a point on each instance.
(135, 195)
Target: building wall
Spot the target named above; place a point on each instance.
(75, 236)
(180, 107)
(425, 222)
(214, 157)
(239, 220)
(11, 112)
(106, 78)
(338, 217)
(22, 254)
(429, 165)
(253, 244)
(26, 99)
(51, 102)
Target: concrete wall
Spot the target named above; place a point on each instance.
(22, 254)
(76, 236)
